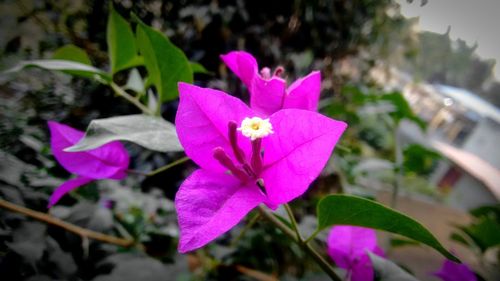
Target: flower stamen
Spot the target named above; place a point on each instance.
(265, 73)
(256, 160)
(279, 71)
(221, 156)
(255, 128)
(233, 140)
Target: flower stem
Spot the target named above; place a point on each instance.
(398, 159)
(161, 169)
(343, 148)
(82, 232)
(168, 166)
(119, 91)
(293, 221)
(290, 233)
(313, 235)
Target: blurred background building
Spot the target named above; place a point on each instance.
(463, 127)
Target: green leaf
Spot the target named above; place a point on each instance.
(457, 237)
(484, 233)
(389, 271)
(71, 52)
(166, 64)
(491, 211)
(73, 68)
(356, 95)
(150, 132)
(121, 43)
(402, 109)
(400, 242)
(198, 68)
(419, 159)
(352, 210)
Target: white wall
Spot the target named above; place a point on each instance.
(469, 193)
(484, 141)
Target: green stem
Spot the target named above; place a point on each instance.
(343, 148)
(166, 167)
(398, 160)
(290, 233)
(293, 221)
(119, 91)
(161, 169)
(313, 235)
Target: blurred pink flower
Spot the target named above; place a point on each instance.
(109, 161)
(452, 271)
(268, 93)
(269, 161)
(348, 246)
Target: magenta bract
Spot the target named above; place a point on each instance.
(269, 92)
(452, 271)
(238, 172)
(348, 246)
(109, 161)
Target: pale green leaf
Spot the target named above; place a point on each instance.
(134, 82)
(70, 67)
(150, 132)
(389, 271)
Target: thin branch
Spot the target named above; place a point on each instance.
(293, 221)
(258, 275)
(313, 235)
(83, 232)
(290, 233)
(343, 148)
(161, 169)
(398, 159)
(168, 166)
(279, 224)
(119, 91)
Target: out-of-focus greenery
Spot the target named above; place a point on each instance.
(481, 235)
(419, 159)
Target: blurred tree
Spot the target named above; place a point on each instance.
(441, 60)
(492, 93)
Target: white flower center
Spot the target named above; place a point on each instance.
(255, 128)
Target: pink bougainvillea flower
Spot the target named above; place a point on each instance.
(452, 271)
(268, 92)
(348, 246)
(109, 161)
(245, 160)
